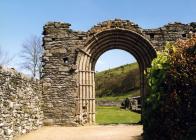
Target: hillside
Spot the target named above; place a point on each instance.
(120, 81)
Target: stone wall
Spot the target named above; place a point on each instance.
(170, 32)
(58, 77)
(108, 103)
(61, 48)
(20, 104)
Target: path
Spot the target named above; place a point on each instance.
(99, 132)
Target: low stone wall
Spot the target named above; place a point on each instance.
(20, 104)
(108, 103)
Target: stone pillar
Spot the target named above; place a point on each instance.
(58, 75)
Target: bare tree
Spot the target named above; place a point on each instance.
(31, 54)
(5, 59)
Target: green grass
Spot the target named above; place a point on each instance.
(121, 97)
(115, 115)
(117, 81)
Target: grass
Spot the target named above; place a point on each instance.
(117, 81)
(121, 97)
(115, 115)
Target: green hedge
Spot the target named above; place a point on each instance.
(169, 111)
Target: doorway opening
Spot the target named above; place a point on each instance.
(117, 88)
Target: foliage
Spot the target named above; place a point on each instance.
(170, 107)
(117, 81)
(115, 115)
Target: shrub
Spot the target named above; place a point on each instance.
(169, 111)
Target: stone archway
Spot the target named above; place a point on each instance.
(127, 40)
(69, 59)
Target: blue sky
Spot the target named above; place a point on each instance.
(19, 19)
(113, 58)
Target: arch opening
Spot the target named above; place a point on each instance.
(127, 40)
(117, 88)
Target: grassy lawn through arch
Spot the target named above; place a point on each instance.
(115, 115)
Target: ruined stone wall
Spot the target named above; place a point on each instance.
(20, 104)
(61, 48)
(59, 76)
(170, 32)
(158, 36)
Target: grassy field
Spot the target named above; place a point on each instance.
(115, 115)
(115, 85)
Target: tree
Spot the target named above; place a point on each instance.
(31, 54)
(4, 57)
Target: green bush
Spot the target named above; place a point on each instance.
(169, 111)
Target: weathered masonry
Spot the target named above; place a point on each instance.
(70, 56)
(20, 104)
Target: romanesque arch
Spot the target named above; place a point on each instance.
(127, 40)
(69, 60)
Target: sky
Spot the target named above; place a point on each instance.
(20, 19)
(113, 58)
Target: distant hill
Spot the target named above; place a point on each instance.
(118, 81)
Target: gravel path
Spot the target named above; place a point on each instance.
(99, 132)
